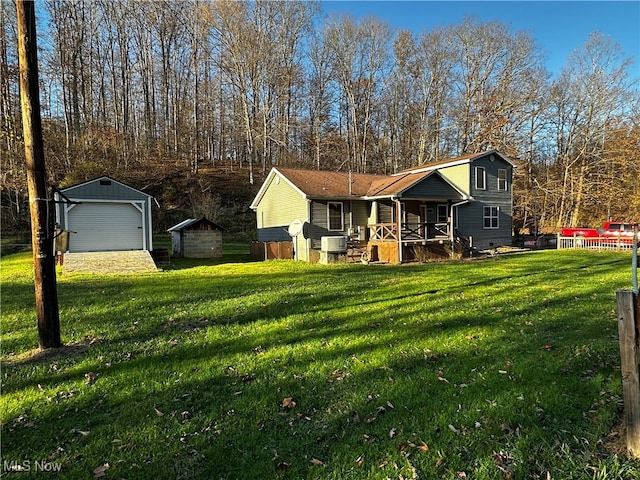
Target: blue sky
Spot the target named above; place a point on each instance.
(557, 26)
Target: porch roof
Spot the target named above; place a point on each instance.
(418, 185)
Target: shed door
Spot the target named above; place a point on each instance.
(105, 227)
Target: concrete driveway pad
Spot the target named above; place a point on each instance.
(132, 261)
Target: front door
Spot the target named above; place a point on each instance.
(423, 221)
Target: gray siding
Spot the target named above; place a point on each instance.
(359, 213)
(432, 187)
(95, 190)
(385, 212)
(319, 227)
(470, 219)
(355, 213)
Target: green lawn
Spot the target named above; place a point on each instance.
(503, 368)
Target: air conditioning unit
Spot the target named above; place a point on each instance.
(333, 244)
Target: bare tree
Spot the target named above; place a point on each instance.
(360, 53)
(590, 94)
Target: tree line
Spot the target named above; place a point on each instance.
(132, 86)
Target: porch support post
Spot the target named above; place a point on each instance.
(451, 226)
(399, 227)
(451, 222)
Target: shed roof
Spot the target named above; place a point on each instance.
(69, 191)
(192, 222)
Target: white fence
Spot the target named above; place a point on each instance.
(594, 243)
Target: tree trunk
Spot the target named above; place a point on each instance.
(42, 211)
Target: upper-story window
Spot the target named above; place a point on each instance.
(502, 179)
(334, 216)
(481, 178)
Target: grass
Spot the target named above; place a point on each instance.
(486, 369)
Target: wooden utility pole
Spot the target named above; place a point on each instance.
(40, 205)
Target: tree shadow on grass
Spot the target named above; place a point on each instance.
(216, 418)
(211, 404)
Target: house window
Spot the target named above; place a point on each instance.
(443, 214)
(491, 217)
(335, 217)
(502, 179)
(481, 180)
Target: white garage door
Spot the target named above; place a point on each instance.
(105, 227)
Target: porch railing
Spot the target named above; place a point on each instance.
(410, 231)
(383, 231)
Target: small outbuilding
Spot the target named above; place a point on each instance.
(196, 238)
(104, 214)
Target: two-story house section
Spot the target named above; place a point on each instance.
(486, 178)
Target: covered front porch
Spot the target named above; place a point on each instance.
(401, 230)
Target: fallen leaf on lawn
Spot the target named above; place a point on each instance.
(390, 405)
(423, 447)
(288, 402)
(545, 347)
(100, 471)
(392, 433)
(506, 428)
(317, 462)
(81, 432)
(383, 464)
(282, 466)
(442, 379)
(90, 378)
(158, 412)
(360, 460)
(454, 429)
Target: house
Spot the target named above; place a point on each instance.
(459, 202)
(196, 238)
(104, 214)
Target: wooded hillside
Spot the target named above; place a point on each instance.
(193, 102)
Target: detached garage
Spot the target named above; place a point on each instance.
(105, 215)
